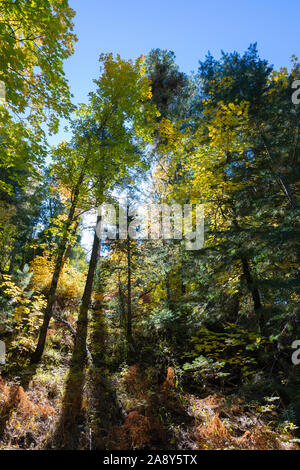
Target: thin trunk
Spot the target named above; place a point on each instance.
(12, 260)
(68, 432)
(79, 353)
(258, 308)
(168, 289)
(69, 247)
(183, 288)
(233, 308)
(122, 305)
(167, 281)
(36, 356)
(255, 294)
(98, 331)
(129, 310)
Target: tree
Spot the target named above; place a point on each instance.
(125, 88)
(103, 143)
(35, 38)
(171, 88)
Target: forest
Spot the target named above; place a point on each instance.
(136, 342)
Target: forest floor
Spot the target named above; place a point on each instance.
(156, 414)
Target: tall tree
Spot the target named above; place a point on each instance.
(105, 147)
(35, 38)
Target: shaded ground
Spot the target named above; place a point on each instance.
(153, 414)
(162, 417)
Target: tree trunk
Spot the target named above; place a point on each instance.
(129, 310)
(168, 289)
(68, 433)
(36, 356)
(167, 283)
(255, 294)
(79, 353)
(69, 247)
(183, 288)
(123, 316)
(258, 308)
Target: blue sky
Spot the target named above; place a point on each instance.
(189, 28)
